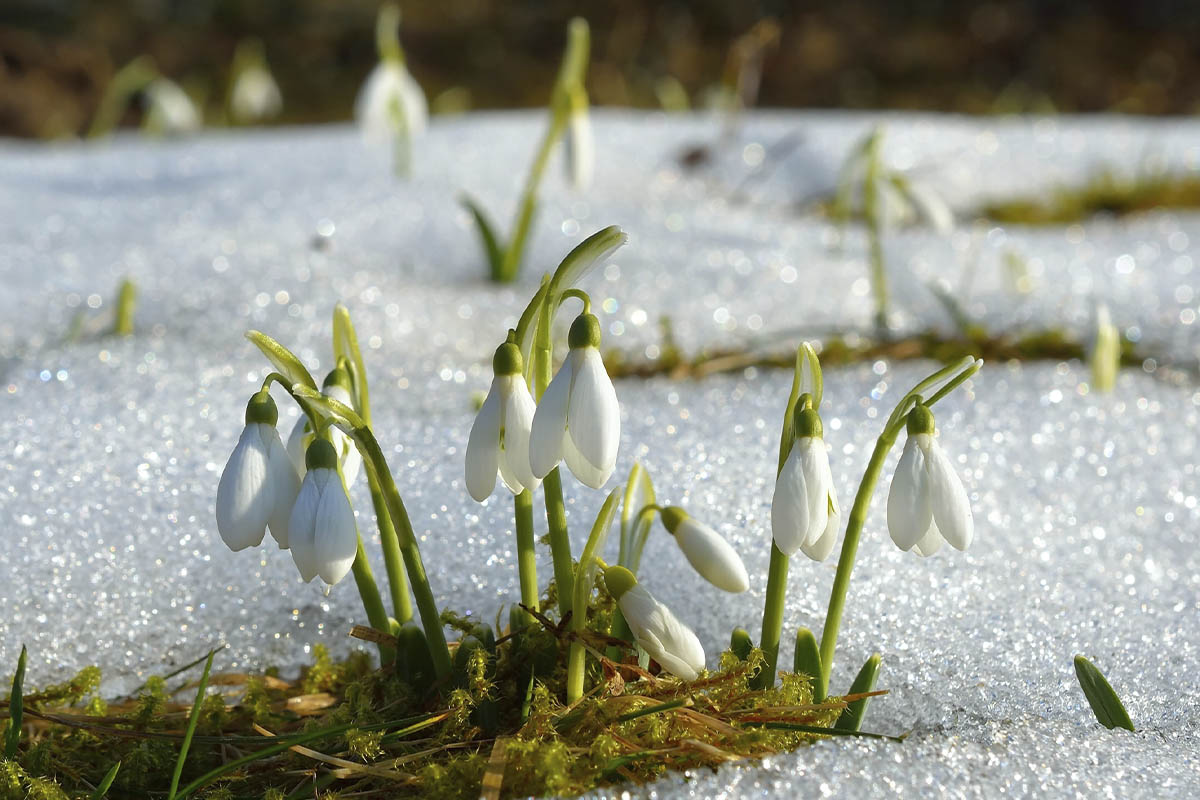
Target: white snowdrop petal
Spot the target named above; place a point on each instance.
(789, 507)
(930, 543)
(819, 549)
(584, 470)
(908, 510)
(297, 444)
(302, 527)
(244, 500)
(348, 456)
(593, 415)
(483, 448)
(712, 556)
(336, 534)
(668, 641)
(948, 499)
(818, 483)
(285, 485)
(387, 85)
(549, 427)
(519, 409)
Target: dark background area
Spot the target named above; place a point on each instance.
(56, 56)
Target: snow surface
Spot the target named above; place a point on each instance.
(1086, 506)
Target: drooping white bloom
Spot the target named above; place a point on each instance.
(391, 103)
(255, 95)
(170, 110)
(580, 148)
(804, 511)
(258, 485)
(706, 550)
(656, 630)
(578, 418)
(324, 535)
(336, 387)
(927, 503)
(499, 441)
(930, 206)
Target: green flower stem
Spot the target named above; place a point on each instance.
(841, 581)
(368, 590)
(526, 554)
(510, 265)
(426, 605)
(560, 542)
(576, 661)
(387, 34)
(126, 303)
(393, 559)
(772, 622)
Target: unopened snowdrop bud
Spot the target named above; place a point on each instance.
(708, 553)
(1106, 352)
(258, 485)
(804, 511)
(656, 630)
(580, 144)
(927, 503)
(324, 535)
(337, 386)
(578, 418)
(499, 441)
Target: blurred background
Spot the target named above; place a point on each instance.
(57, 56)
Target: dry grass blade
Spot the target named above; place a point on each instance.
(493, 776)
(374, 636)
(307, 704)
(345, 769)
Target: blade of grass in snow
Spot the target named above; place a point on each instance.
(193, 718)
(16, 708)
(102, 789)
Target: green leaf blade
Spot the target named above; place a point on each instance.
(193, 719)
(1108, 708)
(16, 708)
(282, 359)
(851, 719)
(487, 236)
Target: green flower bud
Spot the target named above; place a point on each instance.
(507, 360)
(320, 455)
(262, 409)
(920, 420)
(618, 581)
(585, 332)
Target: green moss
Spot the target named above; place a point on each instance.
(1104, 193)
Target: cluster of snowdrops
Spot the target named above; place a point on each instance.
(531, 421)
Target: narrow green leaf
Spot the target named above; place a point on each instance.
(16, 708)
(339, 413)
(103, 788)
(585, 577)
(807, 661)
(586, 255)
(282, 359)
(852, 717)
(126, 303)
(345, 343)
(1107, 707)
(191, 728)
(487, 235)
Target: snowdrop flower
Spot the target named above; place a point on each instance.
(655, 629)
(499, 440)
(578, 418)
(170, 111)
(337, 387)
(580, 147)
(706, 551)
(804, 511)
(258, 485)
(930, 206)
(324, 536)
(927, 503)
(390, 101)
(255, 94)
